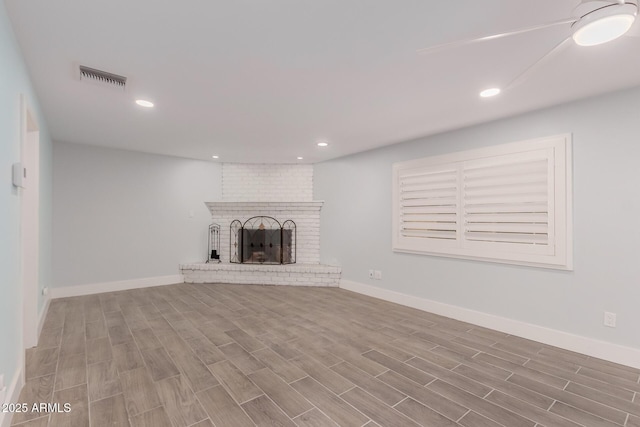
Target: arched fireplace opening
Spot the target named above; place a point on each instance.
(262, 240)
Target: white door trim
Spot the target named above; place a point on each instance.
(30, 224)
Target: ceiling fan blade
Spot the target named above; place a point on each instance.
(545, 58)
(431, 49)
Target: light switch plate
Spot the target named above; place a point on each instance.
(19, 175)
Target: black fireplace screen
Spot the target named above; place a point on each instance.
(263, 240)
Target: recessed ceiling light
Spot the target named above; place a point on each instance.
(215, 157)
(143, 103)
(300, 158)
(323, 144)
(488, 93)
(604, 25)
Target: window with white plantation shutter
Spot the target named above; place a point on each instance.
(509, 203)
(429, 203)
(506, 201)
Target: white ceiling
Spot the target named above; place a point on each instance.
(261, 81)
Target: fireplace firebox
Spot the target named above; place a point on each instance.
(263, 240)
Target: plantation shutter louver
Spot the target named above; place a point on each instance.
(508, 203)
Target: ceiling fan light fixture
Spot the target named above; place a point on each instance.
(604, 25)
(488, 93)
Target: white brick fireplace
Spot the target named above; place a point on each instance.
(283, 192)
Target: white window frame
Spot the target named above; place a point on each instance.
(555, 253)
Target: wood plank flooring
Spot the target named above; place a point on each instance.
(241, 355)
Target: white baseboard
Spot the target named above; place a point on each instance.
(13, 393)
(592, 347)
(122, 285)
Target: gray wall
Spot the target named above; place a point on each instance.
(122, 215)
(356, 224)
(14, 81)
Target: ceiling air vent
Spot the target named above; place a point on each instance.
(102, 78)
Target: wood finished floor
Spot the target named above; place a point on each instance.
(239, 355)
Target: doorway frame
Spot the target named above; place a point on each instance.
(29, 223)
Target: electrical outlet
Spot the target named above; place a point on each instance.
(371, 274)
(377, 274)
(609, 319)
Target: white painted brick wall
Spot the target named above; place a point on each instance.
(284, 192)
(267, 183)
